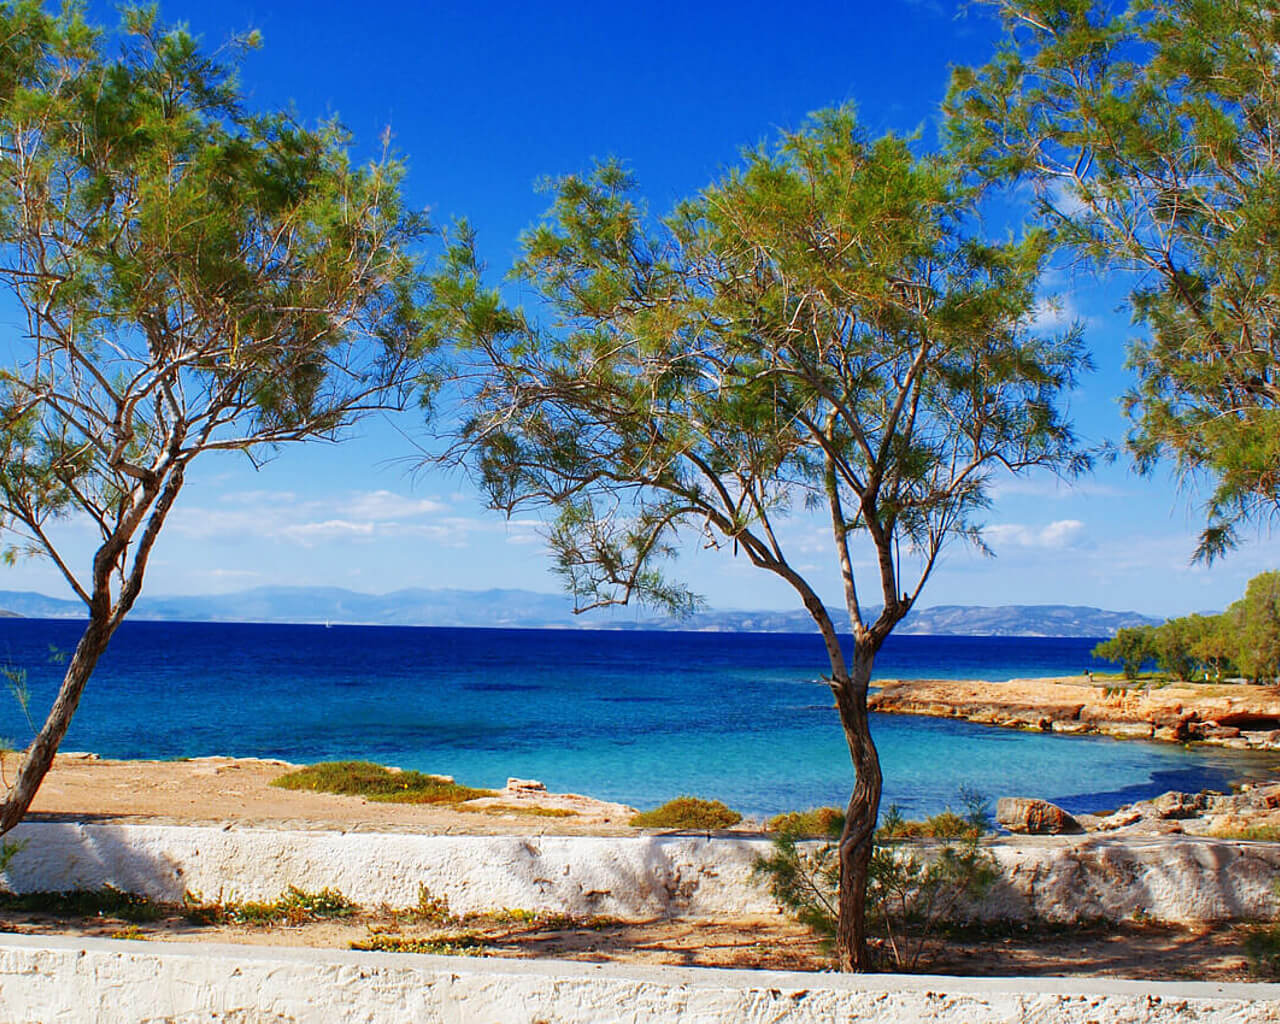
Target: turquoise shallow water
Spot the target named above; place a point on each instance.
(632, 716)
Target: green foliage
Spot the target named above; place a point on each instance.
(9, 850)
(1244, 639)
(105, 902)
(688, 812)
(1256, 624)
(813, 325)
(1131, 647)
(1150, 130)
(373, 781)
(913, 894)
(188, 276)
(433, 909)
(818, 821)
(1262, 947)
(294, 906)
(822, 326)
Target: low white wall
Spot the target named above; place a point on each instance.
(1184, 880)
(54, 980)
(631, 877)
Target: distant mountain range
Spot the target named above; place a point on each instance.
(531, 610)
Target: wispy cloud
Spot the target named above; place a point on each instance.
(1054, 488)
(1062, 533)
(281, 515)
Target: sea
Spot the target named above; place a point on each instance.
(633, 716)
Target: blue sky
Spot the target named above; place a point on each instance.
(485, 99)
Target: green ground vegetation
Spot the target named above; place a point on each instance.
(293, 906)
(430, 926)
(375, 782)
(1244, 641)
(688, 812)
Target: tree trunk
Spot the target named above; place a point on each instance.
(38, 757)
(858, 838)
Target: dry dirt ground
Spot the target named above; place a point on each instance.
(771, 943)
(222, 789)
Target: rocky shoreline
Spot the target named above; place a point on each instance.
(1237, 716)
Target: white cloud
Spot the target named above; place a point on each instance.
(1065, 199)
(1062, 533)
(309, 534)
(1054, 313)
(386, 505)
(259, 498)
(280, 515)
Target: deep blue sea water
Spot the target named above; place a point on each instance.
(632, 716)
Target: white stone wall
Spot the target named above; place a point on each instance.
(1179, 879)
(632, 877)
(65, 981)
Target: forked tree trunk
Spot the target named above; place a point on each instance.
(857, 841)
(38, 757)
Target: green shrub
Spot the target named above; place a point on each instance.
(294, 906)
(912, 895)
(818, 821)
(688, 812)
(373, 781)
(105, 902)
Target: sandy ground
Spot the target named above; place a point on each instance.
(218, 790)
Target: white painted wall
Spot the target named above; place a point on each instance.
(1176, 879)
(66, 981)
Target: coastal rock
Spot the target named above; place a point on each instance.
(1120, 819)
(1236, 716)
(525, 786)
(1037, 817)
(1180, 805)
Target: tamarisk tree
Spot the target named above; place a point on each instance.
(188, 278)
(1151, 130)
(817, 329)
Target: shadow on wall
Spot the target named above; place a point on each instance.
(59, 856)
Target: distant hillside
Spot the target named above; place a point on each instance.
(527, 609)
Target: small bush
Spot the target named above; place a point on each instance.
(819, 822)
(373, 781)
(912, 896)
(294, 906)
(432, 909)
(688, 812)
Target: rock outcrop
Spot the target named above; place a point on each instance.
(1239, 716)
(1034, 817)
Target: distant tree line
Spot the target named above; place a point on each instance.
(1244, 641)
